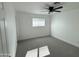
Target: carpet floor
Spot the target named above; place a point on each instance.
(56, 47)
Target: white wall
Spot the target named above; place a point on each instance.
(3, 44)
(65, 26)
(25, 29)
(1, 16)
(10, 28)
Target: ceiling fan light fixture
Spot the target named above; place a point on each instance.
(52, 8)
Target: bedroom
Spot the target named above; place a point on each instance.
(29, 26)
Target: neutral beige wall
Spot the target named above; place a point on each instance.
(25, 29)
(65, 26)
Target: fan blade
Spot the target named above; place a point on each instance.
(56, 2)
(59, 7)
(46, 8)
(57, 11)
(43, 11)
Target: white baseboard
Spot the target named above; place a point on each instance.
(34, 38)
(74, 44)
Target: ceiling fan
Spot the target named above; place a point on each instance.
(54, 7)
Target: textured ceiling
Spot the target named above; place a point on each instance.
(37, 7)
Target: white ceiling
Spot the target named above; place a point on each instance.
(37, 7)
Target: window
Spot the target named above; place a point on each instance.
(37, 22)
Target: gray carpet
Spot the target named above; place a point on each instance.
(56, 47)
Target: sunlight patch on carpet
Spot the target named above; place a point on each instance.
(44, 51)
(32, 53)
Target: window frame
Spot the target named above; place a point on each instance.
(38, 22)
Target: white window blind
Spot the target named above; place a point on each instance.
(36, 22)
